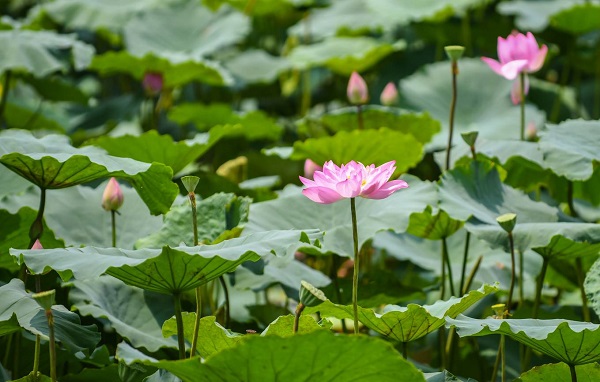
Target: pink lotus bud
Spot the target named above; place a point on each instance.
(389, 95)
(531, 131)
(37, 245)
(153, 82)
(112, 198)
(310, 167)
(357, 91)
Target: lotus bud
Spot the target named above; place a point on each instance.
(389, 95)
(45, 299)
(153, 82)
(311, 296)
(112, 198)
(357, 91)
(454, 52)
(310, 167)
(531, 131)
(37, 245)
(507, 221)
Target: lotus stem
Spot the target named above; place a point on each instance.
(443, 275)
(511, 243)
(463, 271)
(570, 203)
(114, 227)
(50, 318)
(405, 349)
(472, 274)
(5, 86)
(299, 310)
(522, 83)
(447, 261)
(573, 373)
(227, 303)
(503, 346)
(36, 356)
(356, 264)
(359, 115)
(179, 321)
(539, 287)
(37, 227)
(192, 197)
(454, 64)
(581, 279)
(521, 272)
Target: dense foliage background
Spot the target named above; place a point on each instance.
(240, 93)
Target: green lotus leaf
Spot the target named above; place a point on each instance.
(419, 125)
(559, 372)
(152, 147)
(583, 241)
(343, 55)
(135, 314)
(51, 162)
(176, 70)
(35, 52)
(283, 326)
(14, 300)
(9, 325)
(219, 216)
(534, 15)
(256, 66)
(319, 355)
(571, 342)
(592, 286)
(496, 118)
(167, 270)
(405, 324)
(577, 20)
(433, 226)
(366, 146)
(188, 31)
(293, 210)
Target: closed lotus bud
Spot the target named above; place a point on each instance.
(152, 82)
(112, 198)
(389, 95)
(531, 131)
(37, 245)
(357, 91)
(310, 167)
(311, 296)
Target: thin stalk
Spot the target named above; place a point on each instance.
(5, 87)
(573, 373)
(539, 287)
(114, 227)
(522, 83)
(463, 271)
(196, 322)
(472, 274)
(179, 321)
(443, 276)
(447, 256)
(511, 242)
(356, 264)
(37, 227)
(521, 291)
(36, 356)
(442, 342)
(299, 310)
(452, 110)
(450, 344)
(581, 279)
(227, 303)
(50, 318)
(503, 345)
(570, 203)
(405, 350)
(359, 115)
(8, 346)
(497, 362)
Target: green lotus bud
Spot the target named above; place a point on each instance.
(45, 299)
(311, 296)
(507, 221)
(190, 182)
(454, 52)
(470, 137)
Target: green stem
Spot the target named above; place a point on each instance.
(359, 115)
(114, 227)
(197, 321)
(405, 350)
(521, 272)
(539, 287)
(36, 356)
(573, 373)
(192, 197)
(472, 274)
(443, 275)
(50, 318)
(581, 279)
(227, 303)
(463, 271)
(503, 345)
(522, 83)
(570, 202)
(511, 242)
(37, 227)
(447, 257)
(452, 110)
(299, 310)
(497, 362)
(179, 321)
(5, 87)
(356, 264)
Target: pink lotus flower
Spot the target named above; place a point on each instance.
(153, 82)
(518, 53)
(310, 167)
(351, 180)
(389, 95)
(37, 245)
(112, 198)
(357, 91)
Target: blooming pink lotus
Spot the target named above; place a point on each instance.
(357, 91)
(112, 198)
(351, 180)
(518, 53)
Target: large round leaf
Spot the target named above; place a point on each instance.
(559, 372)
(319, 355)
(572, 342)
(292, 210)
(534, 15)
(577, 20)
(365, 146)
(257, 66)
(51, 162)
(487, 109)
